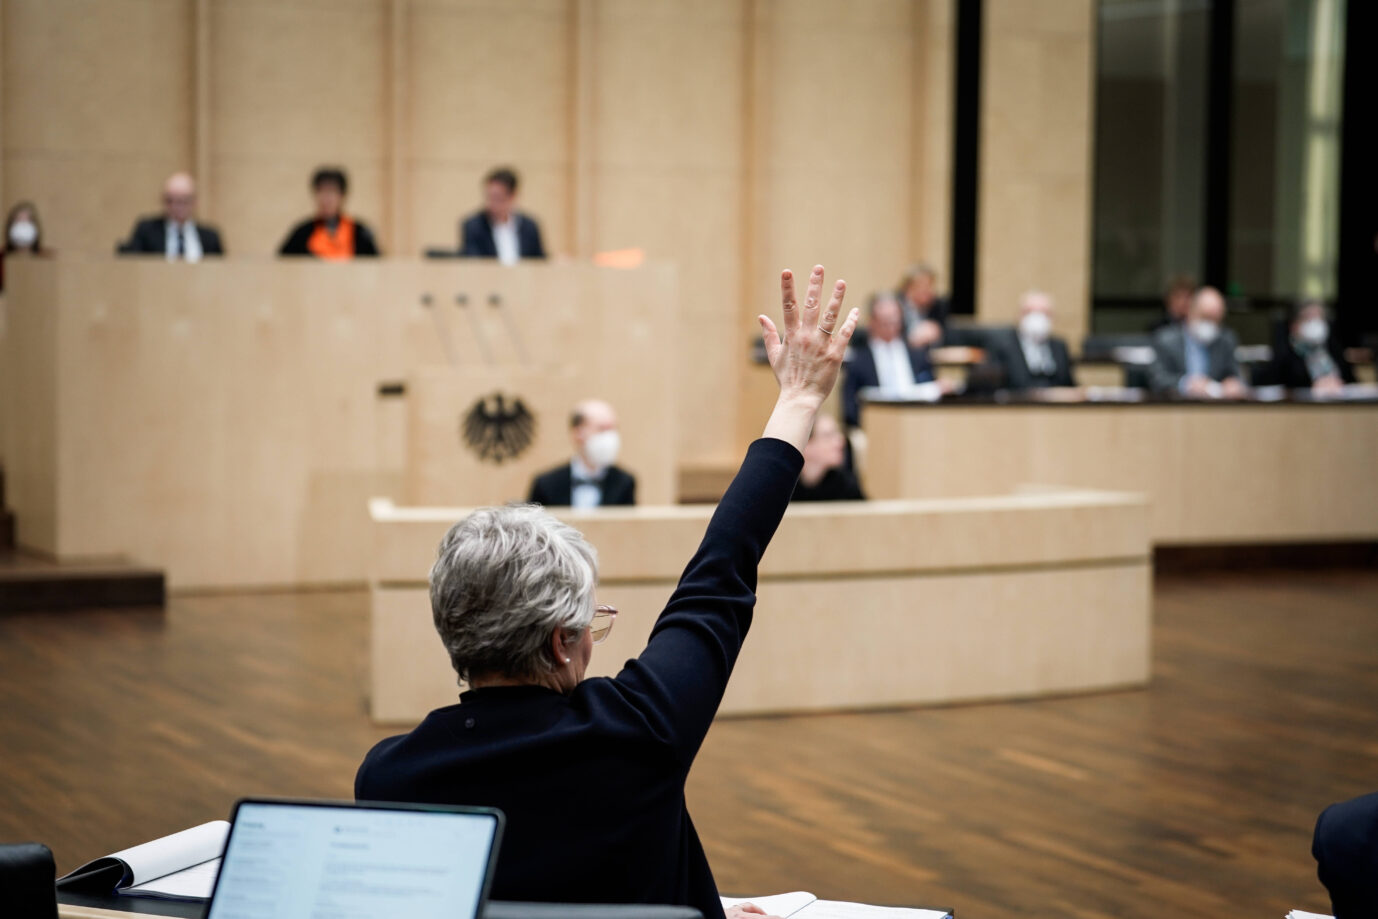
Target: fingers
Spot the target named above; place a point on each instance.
(843, 336)
(788, 303)
(829, 320)
(814, 297)
(771, 337)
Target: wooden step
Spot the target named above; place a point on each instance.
(32, 584)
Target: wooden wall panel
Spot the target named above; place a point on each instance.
(295, 84)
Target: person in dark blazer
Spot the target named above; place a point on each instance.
(1345, 846)
(500, 231)
(882, 358)
(1197, 359)
(591, 478)
(1306, 355)
(1029, 355)
(331, 235)
(825, 476)
(591, 771)
(925, 313)
(174, 234)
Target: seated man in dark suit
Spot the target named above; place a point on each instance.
(500, 231)
(1346, 851)
(825, 476)
(882, 358)
(1029, 355)
(590, 479)
(330, 235)
(175, 233)
(1307, 355)
(1197, 359)
(925, 313)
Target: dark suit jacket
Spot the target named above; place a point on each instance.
(592, 783)
(1170, 358)
(1346, 851)
(476, 237)
(150, 235)
(938, 311)
(1004, 348)
(556, 487)
(838, 484)
(1288, 368)
(296, 241)
(861, 372)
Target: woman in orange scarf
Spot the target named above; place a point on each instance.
(330, 235)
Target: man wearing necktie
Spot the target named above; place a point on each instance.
(1029, 355)
(175, 234)
(591, 478)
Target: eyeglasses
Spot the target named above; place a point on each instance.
(603, 618)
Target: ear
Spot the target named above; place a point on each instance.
(560, 640)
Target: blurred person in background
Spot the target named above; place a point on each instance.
(592, 477)
(1029, 355)
(825, 476)
(1197, 359)
(1176, 301)
(500, 231)
(882, 358)
(331, 234)
(175, 233)
(925, 313)
(23, 235)
(1307, 356)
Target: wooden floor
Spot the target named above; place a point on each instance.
(1195, 797)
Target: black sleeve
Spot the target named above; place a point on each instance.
(135, 243)
(631, 491)
(678, 681)
(537, 494)
(213, 244)
(852, 490)
(295, 243)
(1065, 377)
(468, 243)
(364, 243)
(539, 246)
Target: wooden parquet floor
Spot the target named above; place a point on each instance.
(1195, 797)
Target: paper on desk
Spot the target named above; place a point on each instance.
(172, 854)
(194, 883)
(783, 905)
(1303, 914)
(834, 909)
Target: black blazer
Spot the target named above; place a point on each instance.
(476, 237)
(861, 372)
(1004, 348)
(592, 783)
(838, 484)
(1288, 368)
(938, 311)
(556, 487)
(1170, 358)
(1346, 850)
(296, 241)
(150, 235)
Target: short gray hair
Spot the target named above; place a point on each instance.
(504, 578)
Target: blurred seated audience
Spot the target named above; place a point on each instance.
(1029, 355)
(1176, 301)
(23, 235)
(591, 478)
(1307, 355)
(1197, 359)
(331, 234)
(500, 231)
(1346, 850)
(175, 233)
(925, 313)
(825, 476)
(882, 358)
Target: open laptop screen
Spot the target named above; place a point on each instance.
(294, 860)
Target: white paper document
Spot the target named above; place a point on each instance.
(801, 905)
(1303, 914)
(181, 866)
(194, 883)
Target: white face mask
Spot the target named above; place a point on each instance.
(23, 233)
(601, 449)
(1035, 326)
(1314, 331)
(1205, 331)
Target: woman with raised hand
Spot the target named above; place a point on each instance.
(591, 772)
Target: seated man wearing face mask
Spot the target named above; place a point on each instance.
(1197, 360)
(1307, 357)
(1029, 354)
(590, 479)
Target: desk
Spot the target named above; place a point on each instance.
(223, 420)
(860, 605)
(1213, 472)
(73, 906)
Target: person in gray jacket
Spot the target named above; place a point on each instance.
(1197, 359)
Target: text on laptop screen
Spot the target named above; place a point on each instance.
(286, 861)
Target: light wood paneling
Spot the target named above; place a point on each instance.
(1019, 596)
(1213, 473)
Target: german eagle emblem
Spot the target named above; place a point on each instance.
(498, 428)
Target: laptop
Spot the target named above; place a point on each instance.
(300, 859)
